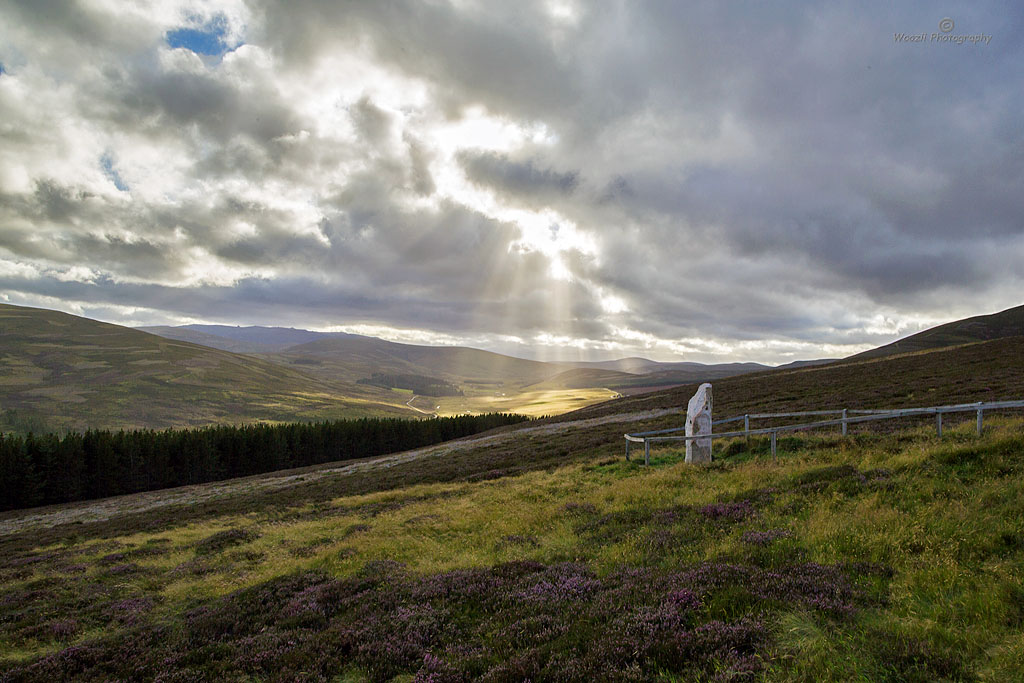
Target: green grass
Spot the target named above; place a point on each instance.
(928, 530)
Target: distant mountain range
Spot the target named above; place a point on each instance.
(349, 357)
(344, 356)
(238, 339)
(63, 371)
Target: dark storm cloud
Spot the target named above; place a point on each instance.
(78, 26)
(775, 173)
(219, 108)
(372, 122)
(51, 235)
(501, 55)
(419, 167)
(294, 300)
(525, 179)
(56, 202)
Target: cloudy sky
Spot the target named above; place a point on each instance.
(700, 181)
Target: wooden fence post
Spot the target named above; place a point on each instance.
(980, 411)
(775, 455)
(938, 423)
(746, 426)
(844, 422)
(647, 452)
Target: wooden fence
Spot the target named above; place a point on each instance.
(848, 417)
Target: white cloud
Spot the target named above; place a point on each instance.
(630, 181)
(14, 269)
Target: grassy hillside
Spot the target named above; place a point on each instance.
(634, 365)
(63, 371)
(578, 378)
(194, 375)
(985, 371)
(489, 381)
(878, 557)
(353, 356)
(642, 366)
(538, 552)
(684, 375)
(1008, 323)
(350, 357)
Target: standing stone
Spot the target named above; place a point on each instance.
(698, 421)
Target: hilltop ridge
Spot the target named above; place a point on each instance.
(1008, 323)
(68, 372)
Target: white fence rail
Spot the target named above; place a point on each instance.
(847, 417)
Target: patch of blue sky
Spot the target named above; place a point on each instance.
(107, 163)
(206, 39)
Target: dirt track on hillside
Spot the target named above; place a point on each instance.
(19, 521)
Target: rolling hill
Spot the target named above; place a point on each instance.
(213, 341)
(579, 378)
(1008, 323)
(277, 338)
(632, 365)
(654, 374)
(984, 371)
(346, 357)
(643, 366)
(351, 357)
(59, 371)
(66, 372)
